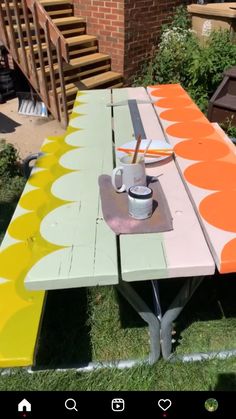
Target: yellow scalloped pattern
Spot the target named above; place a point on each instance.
(20, 309)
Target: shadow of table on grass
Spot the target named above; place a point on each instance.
(81, 323)
(226, 382)
(65, 335)
(208, 321)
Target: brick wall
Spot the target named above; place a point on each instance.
(126, 29)
(105, 19)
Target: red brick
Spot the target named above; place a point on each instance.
(105, 9)
(98, 3)
(111, 17)
(105, 21)
(106, 33)
(98, 15)
(111, 4)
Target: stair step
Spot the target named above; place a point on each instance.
(46, 3)
(70, 103)
(80, 51)
(10, 4)
(91, 82)
(73, 32)
(74, 78)
(117, 85)
(81, 39)
(59, 12)
(80, 62)
(23, 26)
(66, 31)
(95, 81)
(72, 41)
(227, 101)
(69, 20)
(25, 38)
(89, 59)
(86, 50)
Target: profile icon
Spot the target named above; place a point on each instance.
(211, 405)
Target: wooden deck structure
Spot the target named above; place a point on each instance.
(55, 53)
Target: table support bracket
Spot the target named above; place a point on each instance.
(146, 314)
(173, 311)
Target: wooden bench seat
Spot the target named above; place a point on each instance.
(20, 309)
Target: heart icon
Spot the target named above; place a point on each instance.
(164, 404)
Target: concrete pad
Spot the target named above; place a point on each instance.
(26, 133)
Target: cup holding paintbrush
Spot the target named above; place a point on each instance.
(131, 170)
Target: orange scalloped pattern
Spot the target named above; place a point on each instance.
(214, 166)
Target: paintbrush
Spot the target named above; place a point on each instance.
(139, 139)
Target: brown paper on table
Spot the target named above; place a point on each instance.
(115, 210)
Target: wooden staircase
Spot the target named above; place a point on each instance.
(55, 53)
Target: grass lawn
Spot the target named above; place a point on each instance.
(81, 325)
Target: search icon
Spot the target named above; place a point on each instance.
(70, 404)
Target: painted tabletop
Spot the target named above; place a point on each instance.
(206, 159)
(58, 236)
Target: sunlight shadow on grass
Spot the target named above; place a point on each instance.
(65, 334)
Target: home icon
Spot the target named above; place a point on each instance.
(24, 406)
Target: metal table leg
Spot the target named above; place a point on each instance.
(146, 314)
(156, 298)
(174, 310)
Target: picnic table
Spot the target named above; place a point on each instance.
(58, 238)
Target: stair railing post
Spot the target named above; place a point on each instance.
(44, 89)
(14, 49)
(62, 82)
(21, 36)
(3, 30)
(33, 78)
(51, 69)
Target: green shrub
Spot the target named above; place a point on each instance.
(180, 58)
(181, 18)
(8, 160)
(208, 63)
(228, 127)
(11, 179)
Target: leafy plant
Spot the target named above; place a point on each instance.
(180, 58)
(181, 18)
(11, 180)
(209, 62)
(8, 160)
(229, 128)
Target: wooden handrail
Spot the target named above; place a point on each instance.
(54, 33)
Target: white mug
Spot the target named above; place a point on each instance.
(131, 174)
